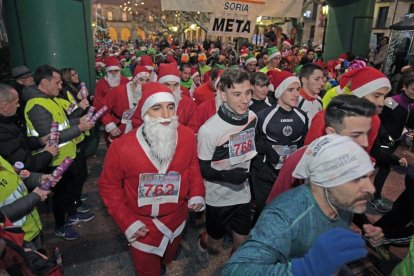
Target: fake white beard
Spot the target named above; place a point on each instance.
(162, 139)
(113, 80)
(177, 95)
(137, 91)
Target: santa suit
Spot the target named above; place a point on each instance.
(203, 93)
(185, 109)
(128, 158)
(204, 111)
(119, 100)
(102, 89)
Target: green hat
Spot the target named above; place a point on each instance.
(273, 52)
(220, 66)
(151, 51)
(140, 53)
(234, 66)
(250, 58)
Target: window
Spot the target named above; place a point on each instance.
(382, 17)
(310, 14)
(411, 9)
(124, 16)
(110, 16)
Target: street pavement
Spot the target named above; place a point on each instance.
(103, 250)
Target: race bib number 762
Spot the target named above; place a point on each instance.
(156, 188)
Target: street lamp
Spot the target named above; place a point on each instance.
(325, 10)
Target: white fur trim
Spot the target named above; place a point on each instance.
(169, 78)
(284, 85)
(109, 127)
(197, 200)
(141, 74)
(371, 86)
(276, 54)
(149, 67)
(115, 67)
(99, 63)
(195, 75)
(160, 250)
(156, 98)
(250, 60)
(132, 229)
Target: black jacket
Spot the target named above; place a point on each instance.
(14, 146)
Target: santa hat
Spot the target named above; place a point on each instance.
(194, 72)
(216, 82)
(147, 62)
(168, 72)
(281, 80)
(202, 57)
(121, 58)
(287, 44)
(112, 63)
(343, 57)
(273, 52)
(171, 59)
(250, 58)
(364, 81)
(98, 62)
(153, 93)
(243, 52)
(141, 71)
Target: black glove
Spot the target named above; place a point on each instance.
(235, 176)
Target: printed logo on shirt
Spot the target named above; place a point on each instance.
(286, 120)
(287, 130)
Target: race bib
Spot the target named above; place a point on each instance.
(127, 115)
(242, 146)
(284, 152)
(156, 188)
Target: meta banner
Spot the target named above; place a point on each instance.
(273, 8)
(231, 25)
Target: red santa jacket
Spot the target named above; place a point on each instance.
(203, 93)
(127, 158)
(317, 129)
(185, 110)
(102, 89)
(118, 100)
(205, 111)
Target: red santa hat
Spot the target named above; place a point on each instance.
(153, 93)
(121, 58)
(216, 82)
(287, 44)
(168, 72)
(98, 62)
(141, 71)
(171, 59)
(281, 80)
(147, 62)
(243, 52)
(343, 57)
(112, 63)
(364, 81)
(194, 72)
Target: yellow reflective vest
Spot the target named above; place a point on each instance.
(58, 113)
(12, 188)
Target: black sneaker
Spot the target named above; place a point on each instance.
(84, 208)
(379, 205)
(67, 232)
(79, 217)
